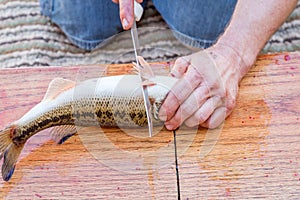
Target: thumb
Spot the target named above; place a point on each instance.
(126, 13)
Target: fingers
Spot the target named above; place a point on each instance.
(179, 93)
(216, 119)
(204, 112)
(126, 13)
(190, 106)
(205, 93)
(117, 1)
(180, 66)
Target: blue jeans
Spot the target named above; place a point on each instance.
(87, 23)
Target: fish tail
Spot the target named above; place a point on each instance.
(5, 140)
(10, 153)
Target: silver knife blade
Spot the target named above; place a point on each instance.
(136, 47)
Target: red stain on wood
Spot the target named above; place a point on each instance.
(227, 192)
(287, 57)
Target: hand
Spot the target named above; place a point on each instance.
(126, 12)
(207, 90)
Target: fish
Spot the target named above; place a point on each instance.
(112, 101)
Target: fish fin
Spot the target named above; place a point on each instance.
(148, 83)
(5, 140)
(144, 69)
(10, 155)
(61, 133)
(56, 87)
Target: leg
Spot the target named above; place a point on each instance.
(196, 23)
(86, 22)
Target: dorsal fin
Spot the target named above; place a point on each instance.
(56, 87)
(144, 68)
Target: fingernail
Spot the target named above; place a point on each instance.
(162, 114)
(169, 127)
(125, 23)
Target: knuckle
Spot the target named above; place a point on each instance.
(172, 101)
(193, 78)
(195, 73)
(177, 119)
(126, 9)
(201, 93)
(187, 109)
(221, 92)
(230, 103)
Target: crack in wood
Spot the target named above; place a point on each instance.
(176, 165)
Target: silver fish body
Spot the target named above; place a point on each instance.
(107, 101)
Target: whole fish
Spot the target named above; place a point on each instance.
(114, 101)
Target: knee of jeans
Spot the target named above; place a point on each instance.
(197, 19)
(45, 6)
(85, 37)
(86, 23)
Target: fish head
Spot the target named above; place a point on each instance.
(155, 106)
(159, 91)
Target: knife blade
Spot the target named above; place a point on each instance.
(138, 11)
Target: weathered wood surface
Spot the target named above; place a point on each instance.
(255, 154)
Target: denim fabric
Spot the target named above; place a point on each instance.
(197, 23)
(87, 23)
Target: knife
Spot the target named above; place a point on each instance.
(138, 11)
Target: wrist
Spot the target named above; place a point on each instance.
(238, 61)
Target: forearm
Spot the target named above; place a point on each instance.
(252, 24)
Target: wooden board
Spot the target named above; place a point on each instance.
(255, 154)
(74, 170)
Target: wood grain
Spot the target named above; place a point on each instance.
(76, 170)
(255, 154)
(257, 151)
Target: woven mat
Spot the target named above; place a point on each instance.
(29, 39)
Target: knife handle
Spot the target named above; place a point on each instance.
(138, 11)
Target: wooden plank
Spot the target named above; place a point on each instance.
(257, 151)
(121, 166)
(256, 154)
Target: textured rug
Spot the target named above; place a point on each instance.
(29, 39)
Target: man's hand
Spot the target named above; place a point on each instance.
(126, 12)
(208, 85)
(206, 92)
